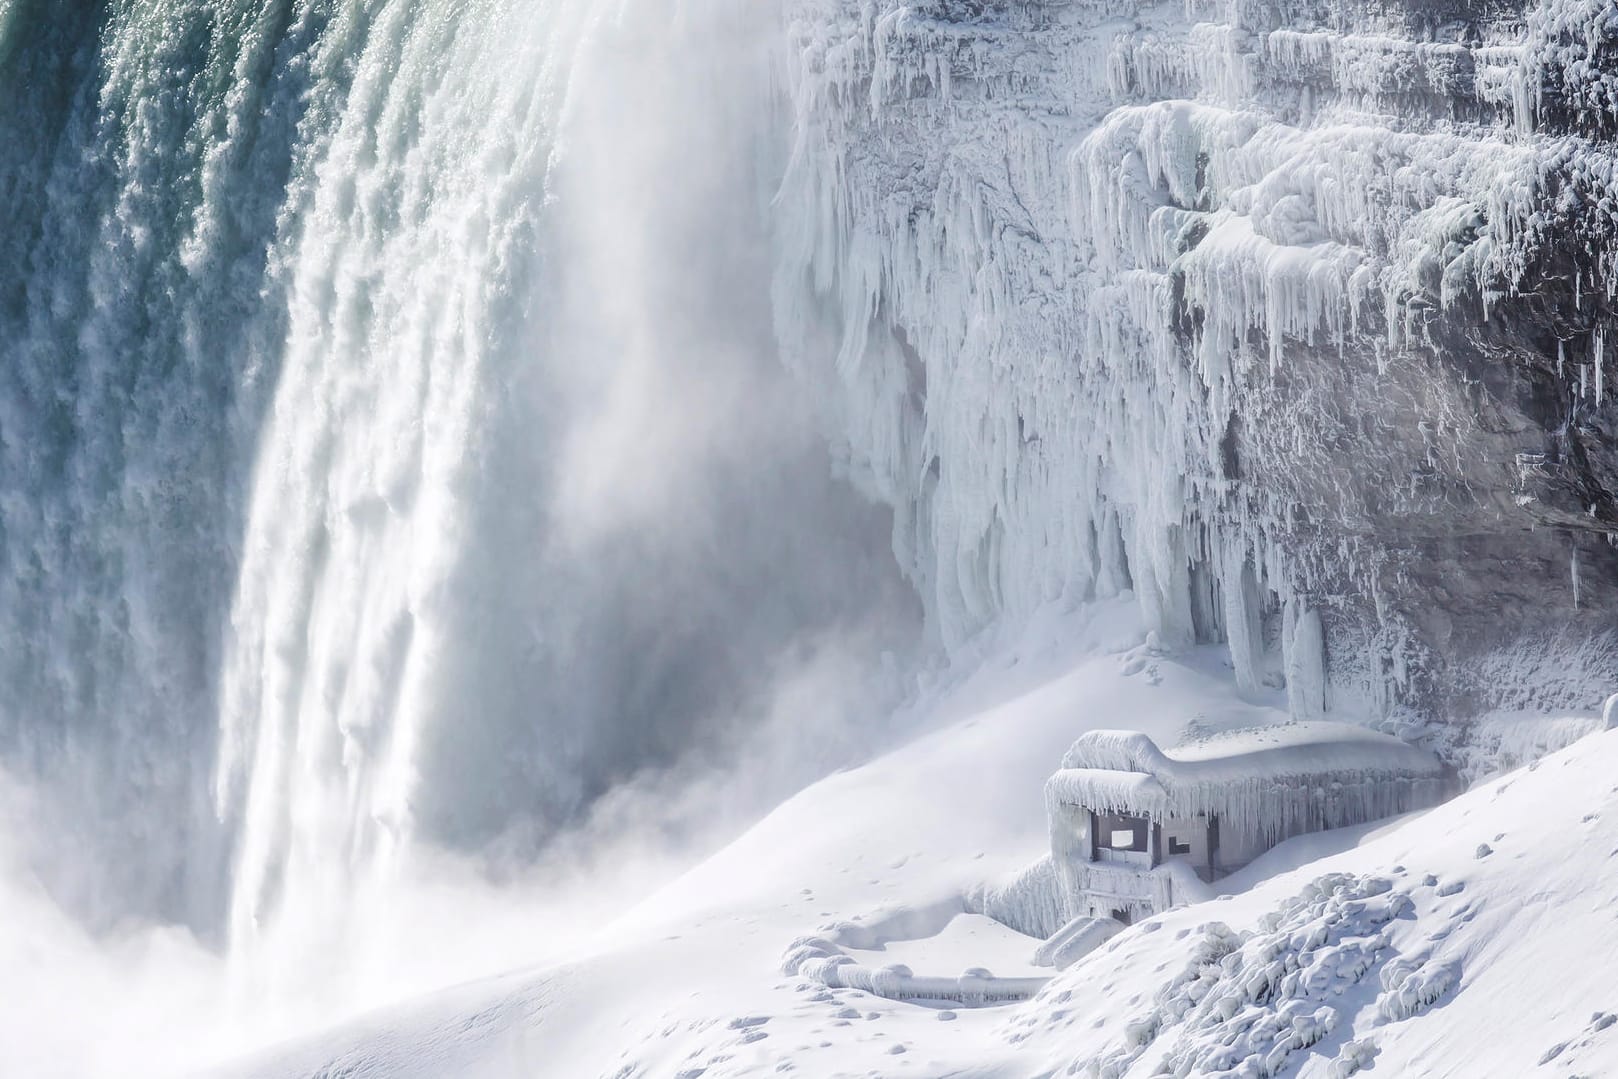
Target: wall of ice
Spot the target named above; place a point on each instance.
(1294, 318)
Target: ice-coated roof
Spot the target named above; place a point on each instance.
(1288, 778)
(1112, 789)
(1287, 748)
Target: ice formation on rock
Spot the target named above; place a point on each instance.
(1290, 317)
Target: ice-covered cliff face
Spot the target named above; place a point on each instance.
(1296, 318)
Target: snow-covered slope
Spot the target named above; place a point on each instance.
(1410, 950)
(1459, 944)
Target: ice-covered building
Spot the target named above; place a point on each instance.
(1130, 822)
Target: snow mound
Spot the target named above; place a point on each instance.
(1075, 940)
(1244, 1006)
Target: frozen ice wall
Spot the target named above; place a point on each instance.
(1294, 318)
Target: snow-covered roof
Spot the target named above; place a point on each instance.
(1110, 789)
(1283, 780)
(1283, 749)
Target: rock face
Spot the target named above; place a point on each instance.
(1297, 319)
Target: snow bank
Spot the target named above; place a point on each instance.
(1395, 953)
(822, 962)
(1249, 1004)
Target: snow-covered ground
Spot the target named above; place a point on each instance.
(1455, 942)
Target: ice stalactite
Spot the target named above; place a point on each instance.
(1243, 625)
(1305, 649)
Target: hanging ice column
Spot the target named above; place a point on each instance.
(1173, 307)
(1304, 645)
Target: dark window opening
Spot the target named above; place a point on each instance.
(1177, 847)
(1121, 916)
(1117, 832)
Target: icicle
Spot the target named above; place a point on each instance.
(1268, 230)
(1598, 349)
(1243, 621)
(1305, 661)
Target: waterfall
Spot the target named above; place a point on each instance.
(395, 453)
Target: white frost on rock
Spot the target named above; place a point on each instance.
(1041, 264)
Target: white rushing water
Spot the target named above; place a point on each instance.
(396, 456)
